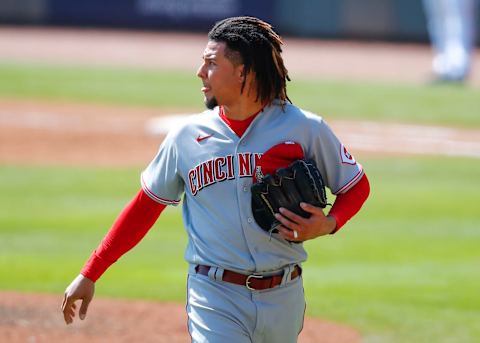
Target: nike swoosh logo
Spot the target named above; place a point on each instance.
(199, 139)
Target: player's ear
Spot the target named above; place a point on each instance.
(241, 75)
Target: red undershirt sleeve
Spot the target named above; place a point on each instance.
(130, 227)
(346, 205)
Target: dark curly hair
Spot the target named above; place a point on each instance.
(253, 43)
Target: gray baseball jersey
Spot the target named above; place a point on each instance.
(208, 165)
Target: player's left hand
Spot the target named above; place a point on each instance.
(295, 228)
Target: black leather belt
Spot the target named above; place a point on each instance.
(252, 281)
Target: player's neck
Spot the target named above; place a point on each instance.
(237, 114)
(242, 109)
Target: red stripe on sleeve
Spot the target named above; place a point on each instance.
(131, 226)
(347, 204)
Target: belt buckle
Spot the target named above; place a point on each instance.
(247, 282)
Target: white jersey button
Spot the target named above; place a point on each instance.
(249, 220)
(245, 189)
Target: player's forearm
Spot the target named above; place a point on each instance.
(131, 226)
(346, 205)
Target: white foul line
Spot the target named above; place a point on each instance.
(377, 137)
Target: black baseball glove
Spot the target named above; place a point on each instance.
(300, 182)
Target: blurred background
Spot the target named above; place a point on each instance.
(89, 89)
(399, 20)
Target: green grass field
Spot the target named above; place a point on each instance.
(405, 270)
(446, 105)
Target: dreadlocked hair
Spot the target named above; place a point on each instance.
(253, 43)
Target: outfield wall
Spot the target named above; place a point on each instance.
(402, 20)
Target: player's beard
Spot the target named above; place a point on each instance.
(211, 103)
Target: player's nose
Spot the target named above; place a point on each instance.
(201, 71)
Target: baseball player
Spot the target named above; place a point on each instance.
(244, 283)
(451, 26)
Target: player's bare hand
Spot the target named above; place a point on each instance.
(295, 228)
(81, 288)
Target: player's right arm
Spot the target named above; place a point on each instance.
(131, 226)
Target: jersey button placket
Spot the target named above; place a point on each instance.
(243, 195)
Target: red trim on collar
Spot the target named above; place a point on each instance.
(238, 126)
